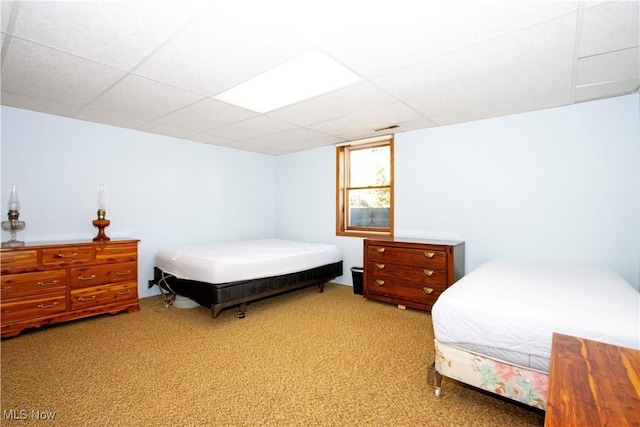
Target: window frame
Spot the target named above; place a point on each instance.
(342, 174)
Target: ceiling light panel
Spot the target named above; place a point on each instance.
(304, 77)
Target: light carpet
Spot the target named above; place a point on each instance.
(300, 359)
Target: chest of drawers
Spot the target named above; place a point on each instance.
(411, 272)
(48, 283)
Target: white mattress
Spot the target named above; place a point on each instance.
(245, 260)
(508, 310)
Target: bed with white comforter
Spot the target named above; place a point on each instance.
(227, 274)
(493, 328)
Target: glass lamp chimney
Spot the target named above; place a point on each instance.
(101, 200)
(14, 200)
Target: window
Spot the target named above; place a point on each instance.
(364, 188)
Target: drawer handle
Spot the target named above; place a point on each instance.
(116, 251)
(379, 282)
(380, 266)
(67, 256)
(123, 274)
(429, 254)
(93, 276)
(380, 250)
(48, 305)
(128, 291)
(48, 283)
(427, 290)
(428, 273)
(83, 299)
(6, 288)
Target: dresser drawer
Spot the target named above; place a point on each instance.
(10, 259)
(419, 275)
(67, 255)
(20, 285)
(117, 252)
(103, 274)
(433, 258)
(32, 308)
(101, 295)
(401, 290)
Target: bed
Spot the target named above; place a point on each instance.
(493, 328)
(229, 274)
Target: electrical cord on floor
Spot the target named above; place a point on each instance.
(169, 296)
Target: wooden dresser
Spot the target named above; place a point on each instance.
(592, 384)
(411, 272)
(48, 283)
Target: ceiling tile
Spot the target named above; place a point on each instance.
(209, 138)
(221, 49)
(252, 128)
(143, 99)
(315, 143)
(610, 26)
(38, 104)
(366, 119)
(109, 118)
(117, 33)
(607, 89)
(333, 105)
(403, 37)
(550, 79)
(40, 72)
(534, 47)
(5, 14)
(607, 67)
(247, 146)
(281, 139)
(166, 130)
(495, 110)
(205, 115)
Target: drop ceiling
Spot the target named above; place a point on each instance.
(158, 66)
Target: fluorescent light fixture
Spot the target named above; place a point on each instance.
(304, 77)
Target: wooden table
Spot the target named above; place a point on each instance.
(592, 384)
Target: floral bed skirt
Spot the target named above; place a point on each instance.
(514, 382)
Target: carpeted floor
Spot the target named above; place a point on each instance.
(300, 359)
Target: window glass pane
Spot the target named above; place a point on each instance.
(369, 166)
(369, 208)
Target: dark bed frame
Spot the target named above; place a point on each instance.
(223, 295)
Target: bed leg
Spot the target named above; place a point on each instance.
(241, 310)
(321, 287)
(438, 384)
(215, 310)
(431, 373)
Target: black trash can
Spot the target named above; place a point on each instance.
(357, 273)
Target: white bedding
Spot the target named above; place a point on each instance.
(245, 260)
(509, 309)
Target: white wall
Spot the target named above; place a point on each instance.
(305, 203)
(164, 191)
(556, 184)
(560, 184)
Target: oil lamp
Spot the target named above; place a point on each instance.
(13, 225)
(102, 220)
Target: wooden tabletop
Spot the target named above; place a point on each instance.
(592, 384)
